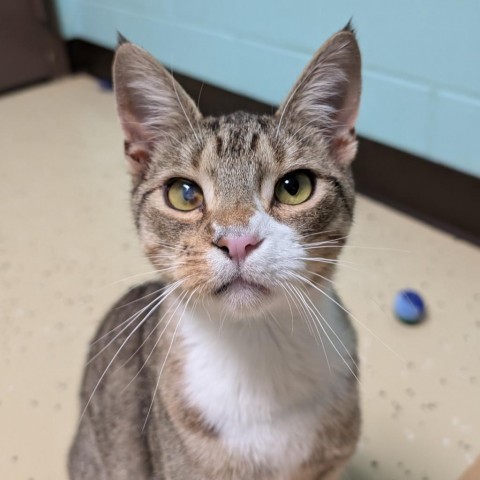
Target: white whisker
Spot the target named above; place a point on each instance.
(321, 276)
(116, 355)
(323, 232)
(301, 309)
(165, 361)
(144, 342)
(312, 315)
(139, 299)
(183, 110)
(334, 333)
(132, 319)
(151, 272)
(312, 246)
(350, 314)
(179, 300)
(288, 302)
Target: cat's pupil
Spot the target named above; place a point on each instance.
(291, 185)
(189, 192)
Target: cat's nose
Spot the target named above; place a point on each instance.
(238, 248)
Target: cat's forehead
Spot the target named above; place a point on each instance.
(239, 127)
(244, 150)
(237, 150)
(239, 136)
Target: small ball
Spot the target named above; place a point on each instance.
(105, 84)
(409, 306)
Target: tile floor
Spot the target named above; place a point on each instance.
(68, 250)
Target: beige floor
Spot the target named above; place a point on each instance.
(67, 248)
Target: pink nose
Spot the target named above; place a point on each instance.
(239, 247)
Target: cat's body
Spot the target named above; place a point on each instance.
(298, 419)
(243, 365)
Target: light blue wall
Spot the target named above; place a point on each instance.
(421, 57)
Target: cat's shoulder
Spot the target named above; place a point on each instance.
(121, 321)
(136, 298)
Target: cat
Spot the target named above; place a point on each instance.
(241, 362)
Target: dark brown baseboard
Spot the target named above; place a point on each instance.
(436, 194)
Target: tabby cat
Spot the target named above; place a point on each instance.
(240, 362)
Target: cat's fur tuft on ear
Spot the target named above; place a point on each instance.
(152, 106)
(121, 39)
(349, 27)
(326, 97)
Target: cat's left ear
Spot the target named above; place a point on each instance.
(152, 106)
(327, 95)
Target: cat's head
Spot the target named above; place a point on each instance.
(242, 208)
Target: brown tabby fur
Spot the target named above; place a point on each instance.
(236, 159)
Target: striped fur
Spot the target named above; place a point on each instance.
(256, 381)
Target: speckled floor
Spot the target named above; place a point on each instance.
(68, 249)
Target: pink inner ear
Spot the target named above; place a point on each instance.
(344, 146)
(138, 145)
(348, 118)
(138, 154)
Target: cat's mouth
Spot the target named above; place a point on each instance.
(239, 285)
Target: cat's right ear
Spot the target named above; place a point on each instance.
(326, 97)
(151, 105)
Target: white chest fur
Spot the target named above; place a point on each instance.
(263, 385)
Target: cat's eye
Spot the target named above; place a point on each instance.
(184, 195)
(294, 188)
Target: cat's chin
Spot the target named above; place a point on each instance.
(241, 287)
(242, 298)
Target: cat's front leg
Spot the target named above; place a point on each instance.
(84, 462)
(90, 459)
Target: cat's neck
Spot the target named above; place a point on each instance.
(281, 355)
(261, 383)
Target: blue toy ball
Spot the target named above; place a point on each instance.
(409, 306)
(105, 84)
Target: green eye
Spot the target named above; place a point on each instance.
(184, 195)
(294, 188)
